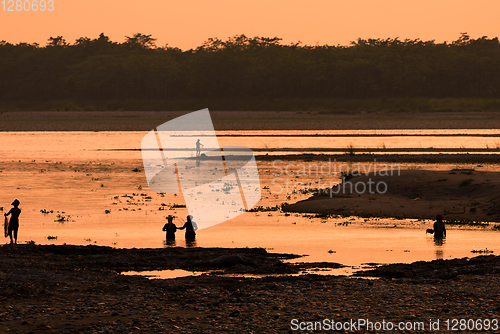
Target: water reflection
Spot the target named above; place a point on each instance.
(439, 254)
(169, 243)
(172, 243)
(439, 242)
(164, 274)
(97, 145)
(93, 153)
(191, 243)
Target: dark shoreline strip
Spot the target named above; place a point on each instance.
(352, 135)
(337, 150)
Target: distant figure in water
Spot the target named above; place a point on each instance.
(190, 227)
(170, 228)
(439, 229)
(198, 148)
(14, 220)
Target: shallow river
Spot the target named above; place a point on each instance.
(86, 184)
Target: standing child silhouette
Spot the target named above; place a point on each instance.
(198, 148)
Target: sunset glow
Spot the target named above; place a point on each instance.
(188, 23)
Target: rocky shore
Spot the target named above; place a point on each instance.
(80, 289)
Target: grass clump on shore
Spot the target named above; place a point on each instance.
(467, 223)
(482, 251)
(261, 208)
(325, 215)
(350, 150)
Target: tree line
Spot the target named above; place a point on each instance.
(247, 73)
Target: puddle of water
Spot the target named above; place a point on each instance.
(164, 274)
(344, 271)
(177, 273)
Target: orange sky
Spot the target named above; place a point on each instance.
(187, 23)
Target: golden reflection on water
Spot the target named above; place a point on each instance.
(95, 145)
(440, 243)
(439, 254)
(106, 203)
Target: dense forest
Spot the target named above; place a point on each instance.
(244, 74)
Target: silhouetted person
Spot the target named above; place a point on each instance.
(190, 227)
(439, 229)
(198, 148)
(170, 228)
(14, 220)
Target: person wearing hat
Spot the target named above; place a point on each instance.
(14, 220)
(170, 228)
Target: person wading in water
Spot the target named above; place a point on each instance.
(170, 228)
(190, 227)
(14, 220)
(439, 230)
